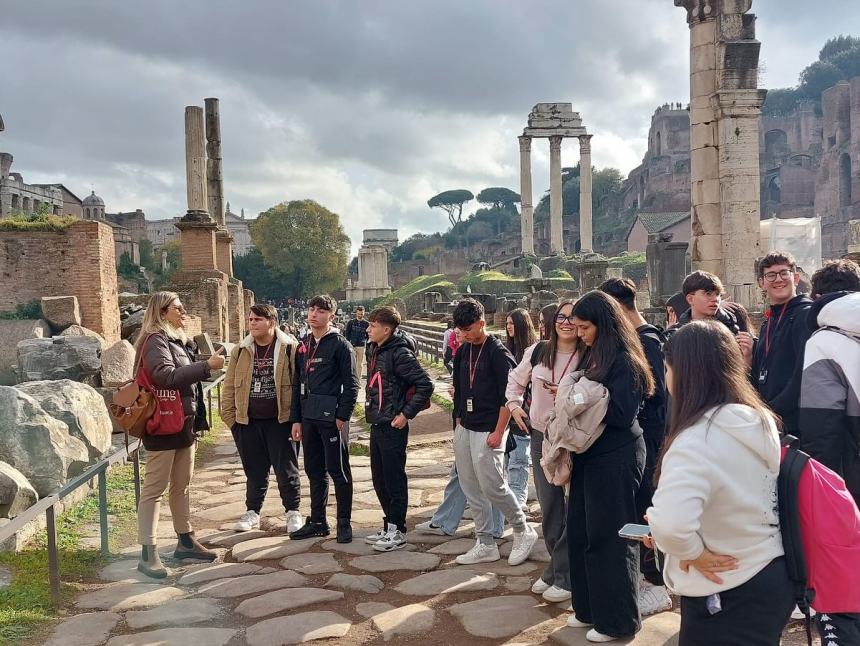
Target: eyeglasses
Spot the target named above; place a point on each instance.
(179, 309)
(771, 276)
(561, 318)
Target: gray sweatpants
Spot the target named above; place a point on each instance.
(481, 471)
(553, 508)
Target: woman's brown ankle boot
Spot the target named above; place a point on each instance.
(189, 547)
(150, 562)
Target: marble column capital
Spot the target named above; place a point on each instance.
(584, 144)
(525, 143)
(698, 10)
(555, 142)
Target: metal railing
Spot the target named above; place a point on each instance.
(427, 345)
(98, 470)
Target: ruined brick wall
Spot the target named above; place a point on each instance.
(79, 261)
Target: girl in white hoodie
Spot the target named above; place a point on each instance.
(714, 512)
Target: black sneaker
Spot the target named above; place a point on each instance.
(309, 530)
(344, 531)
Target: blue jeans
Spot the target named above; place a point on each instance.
(518, 463)
(450, 511)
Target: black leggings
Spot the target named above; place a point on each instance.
(753, 614)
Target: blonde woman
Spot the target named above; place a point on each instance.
(168, 357)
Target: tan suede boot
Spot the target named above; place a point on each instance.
(189, 547)
(150, 562)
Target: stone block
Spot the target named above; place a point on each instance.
(706, 191)
(703, 136)
(16, 493)
(709, 247)
(79, 406)
(61, 357)
(79, 330)
(11, 332)
(703, 57)
(703, 82)
(707, 219)
(61, 311)
(705, 162)
(37, 444)
(118, 364)
(193, 326)
(132, 325)
(703, 33)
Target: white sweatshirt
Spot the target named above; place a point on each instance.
(718, 490)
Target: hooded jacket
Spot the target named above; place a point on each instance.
(830, 387)
(392, 369)
(331, 373)
(172, 365)
(236, 391)
(717, 490)
(724, 316)
(777, 361)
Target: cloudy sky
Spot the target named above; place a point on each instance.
(368, 106)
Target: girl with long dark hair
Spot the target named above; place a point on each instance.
(714, 512)
(520, 334)
(539, 370)
(604, 568)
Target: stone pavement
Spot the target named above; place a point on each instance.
(265, 590)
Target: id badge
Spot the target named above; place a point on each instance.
(303, 390)
(470, 405)
(257, 386)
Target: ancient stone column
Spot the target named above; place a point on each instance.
(527, 219)
(556, 241)
(214, 177)
(586, 244)
(725, 107)
(195, 163)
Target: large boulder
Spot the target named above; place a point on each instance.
(36, 444)
(131, 325)
(60, 357)
(117, 363)
(78, 406)
(61, 311)
(11, 332)
(79, 330)
(16, 494)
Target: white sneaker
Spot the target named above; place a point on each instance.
(375, 537)
(598, 637)
(573, 622)
(294, 521)
(248, 521)
(394, 539)
(797, 613)
(480, 553)
(555, 594)
(524, 541)
(653, 599)
(540, 586)
(429, 528)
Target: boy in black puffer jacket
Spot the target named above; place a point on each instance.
(397, 389)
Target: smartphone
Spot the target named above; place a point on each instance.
(634, 532)
(545, 380)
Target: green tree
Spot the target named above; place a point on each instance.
(255, 275)
(304, 245)
(147, 258)
(498, 197)
(452, 203)
(837, 45)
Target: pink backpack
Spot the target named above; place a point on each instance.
(820, 526)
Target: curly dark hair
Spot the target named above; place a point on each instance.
(467, 312)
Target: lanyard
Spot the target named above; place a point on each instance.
(563, 372)
(776, 327)
(257, 359)
(474, 368)
(310, 360)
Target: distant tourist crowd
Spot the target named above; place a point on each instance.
(655, 453)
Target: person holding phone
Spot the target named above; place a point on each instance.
(169, 358)
(536, 377)
(604, 568)
(714, 513)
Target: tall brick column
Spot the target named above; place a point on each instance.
(725, 110)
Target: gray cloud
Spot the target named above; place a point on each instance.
(369, 107)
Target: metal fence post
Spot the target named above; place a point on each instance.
(209, 406)
(103, 512)
(53, 557)
(136, 462)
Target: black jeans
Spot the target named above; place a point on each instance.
(326, 452)
(840, 629)
(604, 568)
(388, 470)
(647, 561)
(264, 444)
(753, 614)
